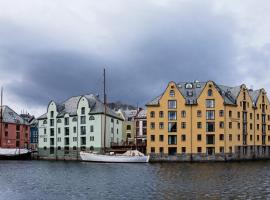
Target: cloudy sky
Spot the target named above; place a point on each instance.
(54, 49)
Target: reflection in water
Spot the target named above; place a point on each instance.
(73, 180)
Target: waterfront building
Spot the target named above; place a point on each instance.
(34, 133)
(205, 120)
(141, 129)
(15, 130)
(129, 129)
(75, 125)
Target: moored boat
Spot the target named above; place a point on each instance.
(14, 154)
(131, 156)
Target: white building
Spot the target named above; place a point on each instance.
(77, 124)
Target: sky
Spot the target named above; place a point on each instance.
(55, 49)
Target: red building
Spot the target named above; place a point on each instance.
(15, 131)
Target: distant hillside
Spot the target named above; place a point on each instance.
(117, 105)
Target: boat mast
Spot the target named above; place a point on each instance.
(105, 107)
(1, 117)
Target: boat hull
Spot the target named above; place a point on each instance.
(91, 157)
(14, 154)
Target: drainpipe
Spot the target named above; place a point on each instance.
(225, 133)
(254, 128)
(191, 156)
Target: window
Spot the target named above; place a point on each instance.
(52, 141)
(52, 131)
(258, 116)
(66, 121)
(161, 114)
(172, 127)
(172, 104)
(152, 149)
(91, 128)
(250, 115)
(92, 138)
(230, 137)
(83, 120)
(67, 141)
(45, 121)
(59, 130)
(161, 138)
(210, 93)
(152, 138)
(45, 131)
(230, 125)
(52, 113)
(221, 124)
(172, 94)
(210, 103)
(238, 114)
(128, 127)
(152, 125)
(183, 149)
(172, 115)
(183, 138)
(152, 114)
(91, 118)
(74, 139)
(199, 149)
(6, 133)
(51, 122)
(199, 137)
(44, 139)
(74, 129)
(230, 113)
(238, 137)
(210, 126)
(66, 131)
(221, 113)
(112, 121)
(172, 139)
(210, 139)
(183, 113)
(258, 138)
(238, 125)
(161, 125)
(199, 113)
(221, 137)
(183, 125)
(83, 140)
(199, 124)
(83, 110)
(83, 130)
(250, 137)
(210, 114)
(258, 126)
(161, 150)
(221, 149)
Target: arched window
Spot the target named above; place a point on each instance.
(152, 114)
(91, 118)
(210, 92)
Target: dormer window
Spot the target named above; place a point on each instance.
(210, 92)
(172, 94)
(189, 86)
(83, 110)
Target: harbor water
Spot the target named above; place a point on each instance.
(59, 180)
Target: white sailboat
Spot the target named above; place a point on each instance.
(131, 156)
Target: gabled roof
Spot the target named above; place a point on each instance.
(70, 107)
(192, 90)
(254, 95)
(10, 116)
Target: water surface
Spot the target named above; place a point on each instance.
(74, 180)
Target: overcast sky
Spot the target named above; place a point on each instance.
(54, 49)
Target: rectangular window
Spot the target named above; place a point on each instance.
(183, 125)
(83, 130)
(199, 149)
(66, 131)
(83, 110)
(183, 149)
(161, 114)
(45, 131)
(66, 121)
(221, 113)
(183, 114)
(161, 150)
(172, 139)
(66, 141)
(59, 130)
(172, 104)
(199, 125)
(152, 125)
(210, 114)
(152, 138)
(83, 140)
(52, 113)
(83, 121)
(161, 125)
(52, 131)
(172, 115)
(52, 141)
(221, 137)
(74, 129)
(210, 103)
(152, 149)
(230, 137)
(161, 138)
(92, 138)
(210, 126)
(199, 113)
(221, 124)
(172, 127)
(221, 149)
(210, 139)
(91, 128)
(238, 137)
(51, 122)
(58, 139)
(183, 138)
(199, 137)
(230, 125)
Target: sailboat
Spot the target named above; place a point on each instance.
(131, 156)
(10, 153)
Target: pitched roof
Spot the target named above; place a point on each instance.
(10, 116)
(70, 107)
(192, 90)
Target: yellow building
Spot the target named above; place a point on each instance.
(204, 120)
